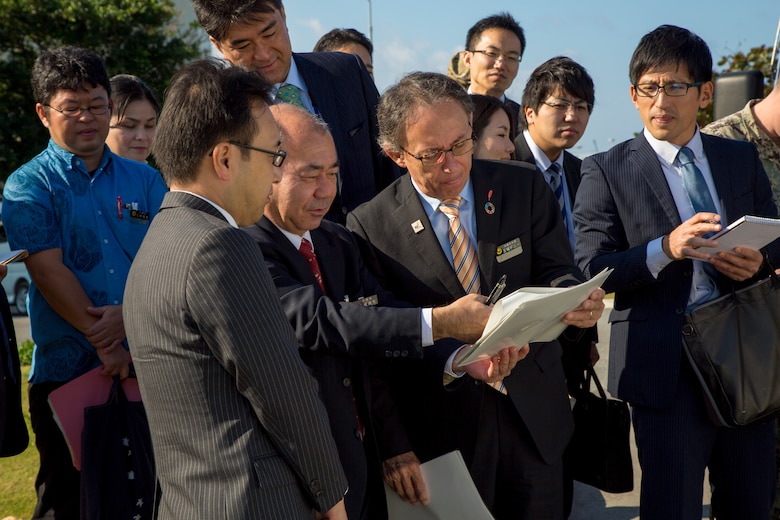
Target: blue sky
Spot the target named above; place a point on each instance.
(599, 34)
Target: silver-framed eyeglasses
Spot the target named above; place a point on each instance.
(495, 56)
(279, 155)
(670, 89)
(564, 105)
(95, 110)
(432, 158)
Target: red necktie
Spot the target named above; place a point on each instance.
(308, 254)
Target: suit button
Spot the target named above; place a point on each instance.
(388, 353)
(357, 433)
(318, 494)
(679, 311)
(346, 382)
(314, 483)
(404, 353)
(396, 354)
(687, 329)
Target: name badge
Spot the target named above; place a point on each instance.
(509, 250)
(368, 301)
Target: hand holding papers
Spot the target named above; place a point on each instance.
(452, 492)
(748, 231)
(530, 314)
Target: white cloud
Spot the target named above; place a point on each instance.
(313, 24)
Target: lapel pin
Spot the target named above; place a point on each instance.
(490, 208)
(417, 226)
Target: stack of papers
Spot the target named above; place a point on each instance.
(530, 315)
(748, 231)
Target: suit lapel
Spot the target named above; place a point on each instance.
(719, 168)
(331, 261)
(407, 215)
(648, 169)
(487, 196)
(299, 268)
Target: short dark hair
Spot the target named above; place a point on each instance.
(338, 38)
(217, 16)
(557, 73)
(496, 21)
(126, 89)
(67, 68)
(208, 101)
(484, 108)
(671, 45)
(418, 89)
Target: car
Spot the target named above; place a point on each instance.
(17, 282)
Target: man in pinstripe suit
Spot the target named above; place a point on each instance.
(333, 85)
(635, 212)
(238, 429)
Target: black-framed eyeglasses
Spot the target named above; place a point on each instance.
(564, 105)
(670, 89)
(279, 155)
(432, 158)
(96, 110)
(495, 56)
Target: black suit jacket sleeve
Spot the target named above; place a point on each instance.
(325, 322)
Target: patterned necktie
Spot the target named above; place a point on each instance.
(464, 257)
(701, 200)
(695, 185)
(556, 184)
(291, 94)
(308, 254)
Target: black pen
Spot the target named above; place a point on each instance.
(495, 294)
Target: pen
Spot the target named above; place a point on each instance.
(495, 294)
(119, 206)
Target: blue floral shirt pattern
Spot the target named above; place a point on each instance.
(97, 220)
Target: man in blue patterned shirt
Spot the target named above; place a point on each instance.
(81, 212)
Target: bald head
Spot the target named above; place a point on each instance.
(308, 186)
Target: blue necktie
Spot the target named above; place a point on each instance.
(556, 184)
(699, 195)
(695, 185)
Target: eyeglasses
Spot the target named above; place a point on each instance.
(97, 110)
(432, 158)
(670, 89)
(279, 155)
(495, 56)
(564, 105)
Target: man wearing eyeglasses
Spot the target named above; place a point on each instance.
(494, 50)
(507, 223)
(557, 103)
(346, 325)
(642, 209)
(335, 86)
(81, 212)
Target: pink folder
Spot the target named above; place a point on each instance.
(69, 401)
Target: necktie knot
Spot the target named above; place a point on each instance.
(289, 93)
(685, 156)
(450, 207)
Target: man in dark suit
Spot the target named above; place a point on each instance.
(237, 426)
(512, 443)
(335, 86)
(557, 103)
(494, 50)
(634, 213)
(345, 322)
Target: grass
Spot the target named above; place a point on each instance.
(17, 474)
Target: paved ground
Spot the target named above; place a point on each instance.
(589, 502)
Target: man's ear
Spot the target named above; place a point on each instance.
(42, 114)
(396, 157)
(222, 160)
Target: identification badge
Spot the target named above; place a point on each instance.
(509, 250)
(368, 301)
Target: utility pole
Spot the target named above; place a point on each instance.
(370, 25)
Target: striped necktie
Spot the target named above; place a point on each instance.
(464, 257)
(291, 94)
(556, 184)
(308, 253)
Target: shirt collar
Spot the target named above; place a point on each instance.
(221, 210)
(293, 78)
(467, 194)
(668, 151)
(294, 239)
(542, 161)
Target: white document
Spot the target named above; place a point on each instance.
(749, 231)
(530, 315)
(451, 490)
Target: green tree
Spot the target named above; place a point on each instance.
(138, 37)
(757, 58)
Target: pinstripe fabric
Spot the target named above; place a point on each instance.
(237, 425)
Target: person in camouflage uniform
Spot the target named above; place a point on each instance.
(759, 123)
